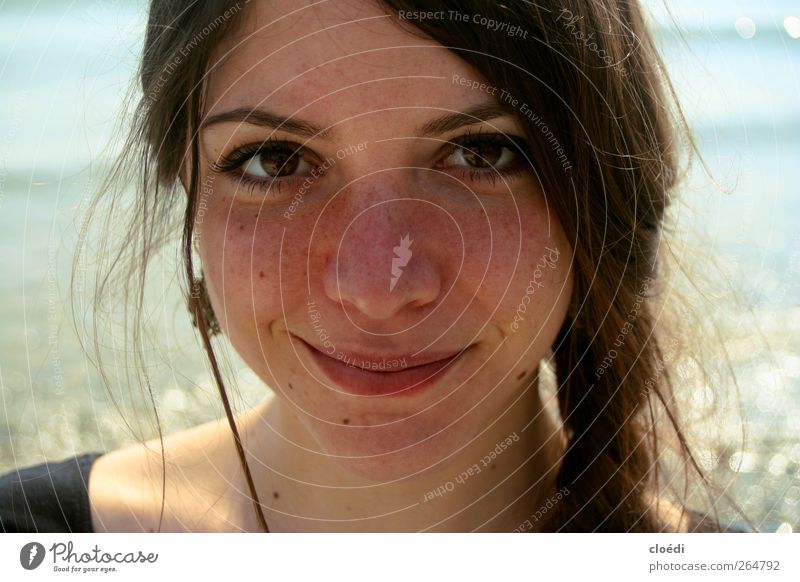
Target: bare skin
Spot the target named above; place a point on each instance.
(206, 490)
(125, 491)
(322, 459)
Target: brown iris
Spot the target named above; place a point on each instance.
(483, 154)
(279, 162)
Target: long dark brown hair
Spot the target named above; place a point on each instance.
(602, 102)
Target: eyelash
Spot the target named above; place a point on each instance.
(517, 145)
(232, 163)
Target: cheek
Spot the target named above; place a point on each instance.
(539, 296)
(246, 275)
(529, 260)
(515, 261)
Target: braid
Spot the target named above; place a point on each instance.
(607, 467)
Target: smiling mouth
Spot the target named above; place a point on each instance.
(381, 376)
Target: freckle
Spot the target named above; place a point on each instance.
(521, 375)
(348, 508)
(494, 466)
(275, 494)
(345, 421)
(290, 386)
(261, 274)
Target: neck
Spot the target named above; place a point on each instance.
(495, 483)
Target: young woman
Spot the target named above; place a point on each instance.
(402, 216)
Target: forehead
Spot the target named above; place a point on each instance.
(344, 56)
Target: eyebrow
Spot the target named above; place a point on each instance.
(449, 122)
(266, 119)
(452, 121)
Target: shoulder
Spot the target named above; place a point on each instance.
(50, 497)
(126, 486)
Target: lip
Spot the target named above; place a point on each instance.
(347, 372)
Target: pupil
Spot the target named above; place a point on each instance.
(278, 163)
(483, 155)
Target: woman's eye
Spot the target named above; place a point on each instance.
(498, 154)
(275, 162)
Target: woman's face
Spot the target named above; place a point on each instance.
(406, 229)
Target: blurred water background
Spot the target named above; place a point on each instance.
(65, 67)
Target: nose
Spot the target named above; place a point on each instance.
(383, 262)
